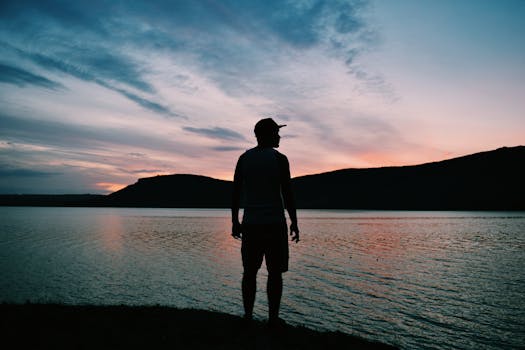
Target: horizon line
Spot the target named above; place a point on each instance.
(228, 180)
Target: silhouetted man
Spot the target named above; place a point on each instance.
(262, 174)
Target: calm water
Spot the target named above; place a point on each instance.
(437, 280)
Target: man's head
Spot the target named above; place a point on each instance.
(267, 133)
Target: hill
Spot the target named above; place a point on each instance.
(178, 191)
(483, 181)
(490, 180)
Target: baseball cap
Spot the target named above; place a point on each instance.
(266, 125)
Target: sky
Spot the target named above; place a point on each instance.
(97, 94)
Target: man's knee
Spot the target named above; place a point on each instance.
(275, 275)
(249, 273)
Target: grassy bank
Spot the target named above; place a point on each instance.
(45, 326)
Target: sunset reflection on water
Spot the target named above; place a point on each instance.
(111, 230)
(438, 279)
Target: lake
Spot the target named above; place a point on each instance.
(417, 280)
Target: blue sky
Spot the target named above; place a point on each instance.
(96, 94)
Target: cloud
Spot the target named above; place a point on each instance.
(258, 39)
(19, 178)
(186, 60)
(142, 171)
(39, 180)
(373, 83)
(234, 42)
(216, 133)
(227, 148)
(300, 23)
(91, 65)
(81, 137)
(110, 66)
(136, 154)
(147, 171)
(5, 171)
(90, 62)
(43, 156)
(147, 104)
(21, 77)
(103, 76)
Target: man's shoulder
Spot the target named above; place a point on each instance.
(256, 151)
(280, 155)
(249, 151)
(246, 153)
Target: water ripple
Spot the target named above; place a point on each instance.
(419, 280)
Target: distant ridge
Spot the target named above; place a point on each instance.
(492, 180)
(182, 190)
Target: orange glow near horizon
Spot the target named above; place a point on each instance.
(297, 169)
(109, 186)
(300, 165)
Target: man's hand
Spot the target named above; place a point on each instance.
(237, 230)
(294, 232)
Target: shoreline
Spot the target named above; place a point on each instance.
(156, 327)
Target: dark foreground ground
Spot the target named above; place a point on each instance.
(40, 326)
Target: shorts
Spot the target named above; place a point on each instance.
(269, 241)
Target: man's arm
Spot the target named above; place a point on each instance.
(236, 200)
(288, 197)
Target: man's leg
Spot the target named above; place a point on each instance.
(249, 287)
(276, 264)
(274, 289)
(252, 257)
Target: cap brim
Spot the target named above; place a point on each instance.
(281, 126)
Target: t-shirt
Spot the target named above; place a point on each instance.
(261, 170)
